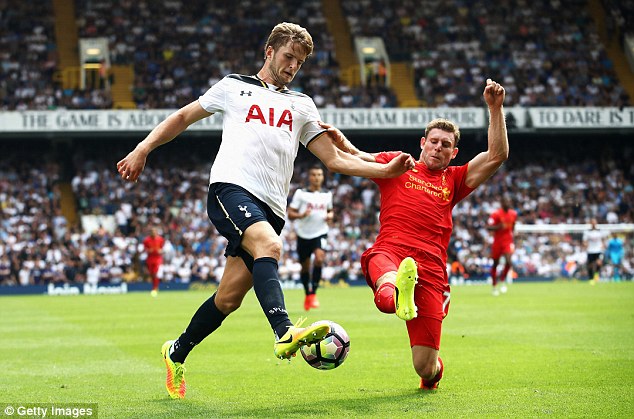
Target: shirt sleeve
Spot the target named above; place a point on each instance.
(214, 99)
(296, 201)
(311, 128)
(386, 156)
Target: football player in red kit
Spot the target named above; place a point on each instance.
(407, 265)
(502, 223)
(153, 245)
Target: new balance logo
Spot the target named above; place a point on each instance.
(242, 93)
(244, 209)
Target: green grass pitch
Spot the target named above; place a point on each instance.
(562, 349)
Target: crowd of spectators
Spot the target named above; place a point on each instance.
(38, 245)
(545, 53)
(619, 19)
(29, 63)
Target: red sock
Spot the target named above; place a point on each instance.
(384, 298)
(155, 284)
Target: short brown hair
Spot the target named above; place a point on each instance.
(445, 125)
(284, 32)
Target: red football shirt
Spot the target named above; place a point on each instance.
(153, 245)
(416, 206)
(504, 235)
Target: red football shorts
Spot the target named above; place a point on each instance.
(499, 249)
(153, 264)
(432, 293)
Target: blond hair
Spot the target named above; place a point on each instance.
(445, 125)
(284, 32)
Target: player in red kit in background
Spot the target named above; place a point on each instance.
(153, 245)
(502, 223)
(407, 265)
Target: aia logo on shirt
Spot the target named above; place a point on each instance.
(256, 115)
(313, 207)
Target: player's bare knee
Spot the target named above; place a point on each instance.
(268, 247)
(273, 248)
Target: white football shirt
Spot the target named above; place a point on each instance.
(594, 241)
(261, 131)
(319, 202)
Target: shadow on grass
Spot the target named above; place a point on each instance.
(294, 404)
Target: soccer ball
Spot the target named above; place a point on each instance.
(331, 351)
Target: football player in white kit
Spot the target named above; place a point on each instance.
(311, 208)
(263, 125)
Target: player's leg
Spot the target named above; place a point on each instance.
(592, 267)
(508, 264)
(496, 254)
(493, 273)
(428, 366)
(263, 243)
(265, 246)
(235, 283)
(153, 265)
(393, 281)
(433, 299)
(319, 256)
(616, 261)
(304, 276)
(424, 334)
(379, 270)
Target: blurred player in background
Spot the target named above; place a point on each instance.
(311, 209)
(263, 125)
(153, 247)
(407, 265)
(593, 241)
(615, 252)
(502, 223)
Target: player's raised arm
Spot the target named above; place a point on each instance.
(131, 166)
(482, 166)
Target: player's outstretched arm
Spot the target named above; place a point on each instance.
(131, 166)
(343, 144)
(482, 166)
(345, 163)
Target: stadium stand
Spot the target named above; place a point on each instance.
(548, 54)
(547, 188)
(177, 49)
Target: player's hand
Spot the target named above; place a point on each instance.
(337, 137)
(400, 164)
(307, 212)
(131, 166)
(494, 94)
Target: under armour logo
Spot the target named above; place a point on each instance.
(242, 93)
(244, 209)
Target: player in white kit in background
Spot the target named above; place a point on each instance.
(311, 211)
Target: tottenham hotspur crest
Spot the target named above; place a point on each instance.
(247, 214)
